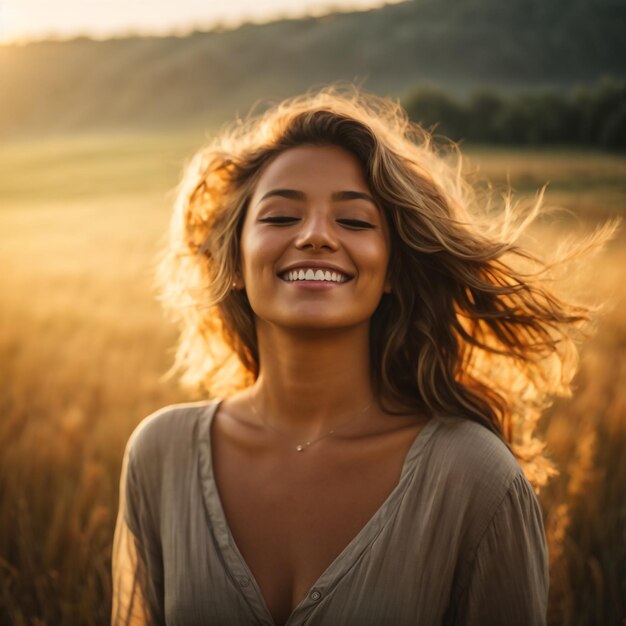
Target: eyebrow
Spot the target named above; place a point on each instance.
(337, 196)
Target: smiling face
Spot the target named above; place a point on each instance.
(314, 244)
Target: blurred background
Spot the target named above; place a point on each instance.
(101, 104)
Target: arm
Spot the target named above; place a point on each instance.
(508, 581)
(137, 571)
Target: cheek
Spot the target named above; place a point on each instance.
(374, 257)
(258, 253)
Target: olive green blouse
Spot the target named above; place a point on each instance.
(459, 540)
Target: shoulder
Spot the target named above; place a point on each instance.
(156, 451)
(470, 474)
(473, 454)
(167, 430)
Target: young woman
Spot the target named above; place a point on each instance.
(377, 353)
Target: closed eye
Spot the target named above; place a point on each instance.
(278, 220)
(356, 223)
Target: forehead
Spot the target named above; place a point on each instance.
(312, 168)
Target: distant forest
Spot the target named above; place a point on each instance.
(586, 116)
(498, 47)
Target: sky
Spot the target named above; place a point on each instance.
(27, 20)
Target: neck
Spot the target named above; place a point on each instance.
(312, 382)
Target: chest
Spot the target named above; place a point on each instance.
(292, 514)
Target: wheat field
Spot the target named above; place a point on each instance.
(83, 350)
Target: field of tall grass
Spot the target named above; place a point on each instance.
(83, 347)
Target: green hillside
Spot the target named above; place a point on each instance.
(204, 78)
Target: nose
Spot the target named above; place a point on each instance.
(316, 234)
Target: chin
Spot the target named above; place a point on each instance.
(320, 323)
(315, 318)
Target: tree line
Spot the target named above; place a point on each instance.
(586, 116)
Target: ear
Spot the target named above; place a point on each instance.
(238, 282)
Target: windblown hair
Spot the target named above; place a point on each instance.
(471, 328)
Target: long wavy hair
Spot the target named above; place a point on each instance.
(472, 327)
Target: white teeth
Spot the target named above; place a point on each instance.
(320, 275)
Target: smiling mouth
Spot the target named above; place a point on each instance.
(308, 274)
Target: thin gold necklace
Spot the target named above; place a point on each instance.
(307, 444)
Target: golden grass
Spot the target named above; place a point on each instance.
(83, 345)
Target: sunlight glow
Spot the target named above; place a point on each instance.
(27, 20)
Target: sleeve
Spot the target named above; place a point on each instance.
(509, 580)
(136, 560)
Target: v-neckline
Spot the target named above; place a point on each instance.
(234, 561)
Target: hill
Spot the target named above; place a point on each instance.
(203, 78)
